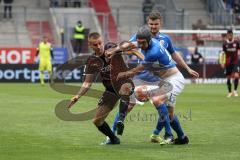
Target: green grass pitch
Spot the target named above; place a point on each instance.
(29, 129)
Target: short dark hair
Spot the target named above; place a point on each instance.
(154, 15)
(229, 31)
(94, 35)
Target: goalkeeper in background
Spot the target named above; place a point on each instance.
(45, 52)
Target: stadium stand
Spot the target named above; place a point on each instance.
(15, 29)
(128, 16)
(35, 30)
(116, 19)
(194, 10)
(103, 8)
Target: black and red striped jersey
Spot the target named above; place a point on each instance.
(231, 50)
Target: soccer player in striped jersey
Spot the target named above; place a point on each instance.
(231, 48)
(100, 63)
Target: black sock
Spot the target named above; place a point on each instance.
(229, 85)
(235, 84)
(105, 129)
(123, 106)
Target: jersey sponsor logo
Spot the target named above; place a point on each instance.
(231, 49)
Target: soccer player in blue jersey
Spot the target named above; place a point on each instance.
(154, 23)
(156, 88)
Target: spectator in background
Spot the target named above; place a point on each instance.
(199, 25)
(236, 10)
(236, 7)
(78, 36)
(229, 5)
(54, 3)
(196, 57)
(66, 3)
(7, 7)
(77, 3)
(72, 3)
(147, 8)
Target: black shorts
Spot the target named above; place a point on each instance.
(232, 68)
(108, 99)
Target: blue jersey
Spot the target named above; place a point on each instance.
(144, 75)
(165, 40)
(157, 55)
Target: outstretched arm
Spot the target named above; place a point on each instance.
(83, 90)
(126, 47)
(178, 58)
(131, 73)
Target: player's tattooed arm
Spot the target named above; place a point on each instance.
(122, 47)
(131, 73)
(83, 90)
(127, 46)
(86, 85)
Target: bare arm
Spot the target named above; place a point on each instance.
(130, 73)
(83, 90)
(124, 46)
(37, 52)
(178, 58)
(86, 85)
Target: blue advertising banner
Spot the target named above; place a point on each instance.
(60, 55)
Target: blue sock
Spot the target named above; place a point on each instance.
(175, 124)
(159, 127)
(163, 120)
(114, 129)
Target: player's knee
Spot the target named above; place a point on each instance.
(236, 75)
(130, 107)
(97, 121)
(158, 100)
(125, 89)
